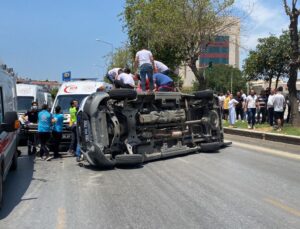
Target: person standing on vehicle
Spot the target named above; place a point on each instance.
(145, 62)
(31, 116)
(270, 106)
(58, 120)
(163, 82)
(73, 121)
(250, 107)
(44, 131)
(125, 79)
(161, 68)
(279, 103)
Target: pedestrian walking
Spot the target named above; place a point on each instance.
(44, 131)
(58, 119)
(73, 121)
(232, 111)
(250, 107)
(279, 103)
(270, 106)
(145, 62)
(262, 108)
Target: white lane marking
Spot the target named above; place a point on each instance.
(268, 151)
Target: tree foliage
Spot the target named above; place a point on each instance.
(218, 78)
(121, 58)
(179, 29)
(269, 60)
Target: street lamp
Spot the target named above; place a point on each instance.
(108, 43)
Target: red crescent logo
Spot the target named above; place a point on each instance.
(70, 88)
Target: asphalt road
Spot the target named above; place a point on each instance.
(243, 186)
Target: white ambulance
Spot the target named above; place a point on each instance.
(75, 90)
(26, 94)
(9, 126)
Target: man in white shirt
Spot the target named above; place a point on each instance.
(250, 107)
(161, 68)
(125, 79)
(145, 62)
(112, 74)
(279, 103)
(270, 106)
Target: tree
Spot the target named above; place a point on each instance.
(269, 60)
(121, 58)
(219, 79)
(180, 29)
(53, 92)
(293, 13)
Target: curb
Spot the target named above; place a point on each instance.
(294, 140)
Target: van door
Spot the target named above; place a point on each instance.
(7, 139)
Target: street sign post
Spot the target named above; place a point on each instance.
(66, 76)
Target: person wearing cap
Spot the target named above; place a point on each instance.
(145, 62)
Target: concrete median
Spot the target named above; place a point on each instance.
(263, 135)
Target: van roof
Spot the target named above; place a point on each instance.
(81, 87)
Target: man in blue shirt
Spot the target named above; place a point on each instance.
(58, 121)
(44, 130)
(163, 82)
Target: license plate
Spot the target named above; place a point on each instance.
(66, 136)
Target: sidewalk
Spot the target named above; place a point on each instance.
(276, 137)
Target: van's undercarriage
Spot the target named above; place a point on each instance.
(123, 127)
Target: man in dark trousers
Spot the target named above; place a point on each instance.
(44, 130)
(58, 120)
(239, 108)
(31, 116)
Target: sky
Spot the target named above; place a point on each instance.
(43, 39)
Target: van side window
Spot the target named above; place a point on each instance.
(1, 106)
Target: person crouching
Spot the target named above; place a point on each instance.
(163, 82)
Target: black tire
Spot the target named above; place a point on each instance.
(129, 159)
(122, 93)
(14, 163)
(207, 94)
(1, 185)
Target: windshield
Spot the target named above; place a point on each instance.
(24, 103)
(64, 101)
